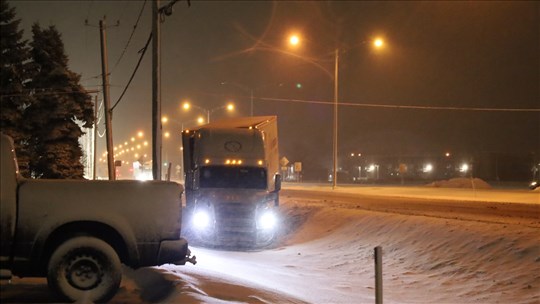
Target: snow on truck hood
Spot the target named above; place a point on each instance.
(222, 195)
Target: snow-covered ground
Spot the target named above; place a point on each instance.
(325, 255)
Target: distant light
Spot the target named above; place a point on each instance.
(230, 107)
(464, 168)
(428, 168)
(447, 154)
(207, 161)
(200, 120)
(228, 161)
(167, 134)
(145, 143)
(352, 154)
(260, 162)
(378, 43)
(133, 139)
(298, 85)
(186, 106)
(240, 162)
(140, 134)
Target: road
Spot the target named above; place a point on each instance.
(501, 206)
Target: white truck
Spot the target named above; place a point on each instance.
(232, 181)
(78, 232)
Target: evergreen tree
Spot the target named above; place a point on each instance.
(14, 76)
(60, 102)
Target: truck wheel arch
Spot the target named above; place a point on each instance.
(86, 228)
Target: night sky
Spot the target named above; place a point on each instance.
(470, 54)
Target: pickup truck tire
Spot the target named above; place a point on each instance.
(84, 268)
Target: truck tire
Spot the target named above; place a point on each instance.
(84, 268)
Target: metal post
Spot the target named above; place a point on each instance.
(106, 101)
(207, 116)
(336, 87)
(378, 275)
(156, 93)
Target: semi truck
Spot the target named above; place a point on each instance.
(232, 181)
(77, 233)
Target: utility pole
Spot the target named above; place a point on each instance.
(156, 92)
(157, 18)
(95, 137)
(106, 101)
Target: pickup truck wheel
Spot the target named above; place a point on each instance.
(84, 267)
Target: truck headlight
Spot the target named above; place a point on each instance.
(201, 219)
(267, 220)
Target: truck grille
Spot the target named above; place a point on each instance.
(235, 223)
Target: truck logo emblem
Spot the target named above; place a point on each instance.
(233, 146)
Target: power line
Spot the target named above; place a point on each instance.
(367, 105)
(43, 93)
(134, 72)
(130, 37)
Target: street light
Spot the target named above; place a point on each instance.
(378, 43)
(187, 106)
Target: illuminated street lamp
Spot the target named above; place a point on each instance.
(377, 43)
(294, 40)
(187, 106)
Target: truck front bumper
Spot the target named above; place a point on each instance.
(175, 252)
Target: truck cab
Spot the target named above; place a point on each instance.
(232, 181)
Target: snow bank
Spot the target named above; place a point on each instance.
(461, 183)
(325, 255)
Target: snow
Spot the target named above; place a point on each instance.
(325, 255)
(461, 183)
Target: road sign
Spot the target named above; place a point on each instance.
(283, 161)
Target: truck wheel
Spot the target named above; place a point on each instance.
(84, 268)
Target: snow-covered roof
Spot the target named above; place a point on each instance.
(238, 122)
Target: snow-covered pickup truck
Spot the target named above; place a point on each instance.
(77, 233)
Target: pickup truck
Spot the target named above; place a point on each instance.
(77, 233)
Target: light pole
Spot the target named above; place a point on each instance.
(245, 88)
(187, 105)
(250, 90)
(295, 41)
(336, 100)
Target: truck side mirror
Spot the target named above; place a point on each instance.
(277, 179)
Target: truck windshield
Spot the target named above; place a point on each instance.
(232, 177)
